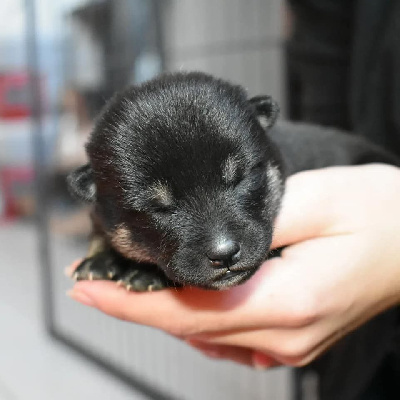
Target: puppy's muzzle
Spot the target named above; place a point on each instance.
(223, 253)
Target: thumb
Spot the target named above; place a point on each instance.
(308, 207)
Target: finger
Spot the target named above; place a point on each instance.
(271, 348)
(262, 360)
(263, 340)
(239, 355)
(181, 313)
(159, 309)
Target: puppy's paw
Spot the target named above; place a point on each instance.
(102, 266)
(144, 278)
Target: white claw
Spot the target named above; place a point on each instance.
(110, 274)
(150, 288)
(75, 276)
(128, 288)
(120, 282)
(90, 276)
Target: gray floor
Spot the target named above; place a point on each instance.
(32, 365)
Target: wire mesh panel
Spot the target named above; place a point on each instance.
(107, 45)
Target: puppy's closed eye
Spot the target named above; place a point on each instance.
(257, 169)
(232, 172)
(254, 178)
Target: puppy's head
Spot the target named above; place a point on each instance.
(182, 175)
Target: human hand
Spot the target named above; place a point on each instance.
(341, 268)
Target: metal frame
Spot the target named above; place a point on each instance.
(137, 384)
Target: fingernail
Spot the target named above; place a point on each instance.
(212, 353)
(80, 297)
(197, 344)
(261, 361)
(260, 367)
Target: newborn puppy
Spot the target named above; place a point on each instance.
(186, 178)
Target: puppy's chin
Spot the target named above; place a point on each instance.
(230, 279)
(221, 281)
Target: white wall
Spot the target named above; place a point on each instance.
(239, 40)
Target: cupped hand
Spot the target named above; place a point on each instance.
(340, 268)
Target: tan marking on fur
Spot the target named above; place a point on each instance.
(121, 240)
(161, 193)
(110, 274)
(276, 189)
(229, 169)
(97, 245)
(275, 181)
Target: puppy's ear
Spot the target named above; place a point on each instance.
(266, 110)
(81, 183)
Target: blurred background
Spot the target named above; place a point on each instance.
(59, 63)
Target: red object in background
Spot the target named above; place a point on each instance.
(15, 181)
(11, 178)
(14, 95)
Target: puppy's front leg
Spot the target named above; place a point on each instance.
(139, 277)
(100, 263)
(104, 263)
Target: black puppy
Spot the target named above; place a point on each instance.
(186, 182)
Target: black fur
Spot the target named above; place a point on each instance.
(183, 167)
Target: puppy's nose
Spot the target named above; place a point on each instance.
(224, 253)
